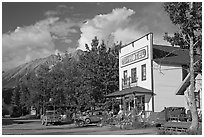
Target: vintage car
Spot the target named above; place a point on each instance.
(94, 116)
(50, 117)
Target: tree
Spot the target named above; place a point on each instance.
(188, 18)
(99, 71)
(16, 109)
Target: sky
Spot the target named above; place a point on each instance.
(32, 30)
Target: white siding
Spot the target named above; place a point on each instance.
(166, 80)
(145, 41)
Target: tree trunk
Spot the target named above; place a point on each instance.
(191, 96)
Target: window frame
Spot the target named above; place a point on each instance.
(134, 79)
(125, 77)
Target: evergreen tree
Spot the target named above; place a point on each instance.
(100, 71)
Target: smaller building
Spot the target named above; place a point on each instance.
(185, 84)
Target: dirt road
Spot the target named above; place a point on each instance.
(34, 127)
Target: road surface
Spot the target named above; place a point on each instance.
(34, 127)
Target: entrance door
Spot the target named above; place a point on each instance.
(140, 103)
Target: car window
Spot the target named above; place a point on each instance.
(49, 113)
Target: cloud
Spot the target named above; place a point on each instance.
(109, 27)
(35, 41)
(126, 25)
(63, 28)
(51, 13)
(60, 9)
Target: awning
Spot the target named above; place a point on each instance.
(131, 90)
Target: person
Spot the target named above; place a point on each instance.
(120, 114)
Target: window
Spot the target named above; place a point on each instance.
(133, 75)
(197, 99)
(125, 77)
(144, 72)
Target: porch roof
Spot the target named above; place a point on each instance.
(184, 84)
(131, 90)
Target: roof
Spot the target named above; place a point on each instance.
(186, 82)
(171, 55)
(132, 90)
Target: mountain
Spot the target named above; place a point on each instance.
(11, 77)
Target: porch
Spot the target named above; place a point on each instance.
(136, 98)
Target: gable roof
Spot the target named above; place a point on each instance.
(186, 82)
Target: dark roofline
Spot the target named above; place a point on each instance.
(131, 90)
(185, 83)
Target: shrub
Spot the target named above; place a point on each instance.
(198, 132)
(16, 111)
(163, 132)
(5, 111)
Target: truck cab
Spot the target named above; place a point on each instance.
(50, 117)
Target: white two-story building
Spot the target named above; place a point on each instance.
(149, 75)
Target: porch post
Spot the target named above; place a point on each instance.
(120, 103)
(129, 104)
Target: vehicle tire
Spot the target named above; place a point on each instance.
(46, 123)
(88, 121)
(81, 123)
(43, 122)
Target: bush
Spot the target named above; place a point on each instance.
(16, 111)
(5, 111)
(199, 132)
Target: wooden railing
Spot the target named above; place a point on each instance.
(127, 82)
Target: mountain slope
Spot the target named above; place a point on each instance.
(11, 77)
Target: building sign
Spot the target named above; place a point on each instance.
(135, 56)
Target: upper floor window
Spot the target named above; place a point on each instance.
(125, 77)
(144, 74)
(133, 75)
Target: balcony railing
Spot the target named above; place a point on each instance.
(129, 82)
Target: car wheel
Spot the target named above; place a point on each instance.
(81, 123)
(46, 123)
(43, 122)
(88, 121)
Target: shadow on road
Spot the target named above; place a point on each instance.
(10, 121)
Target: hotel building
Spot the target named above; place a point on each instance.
(150, 74)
